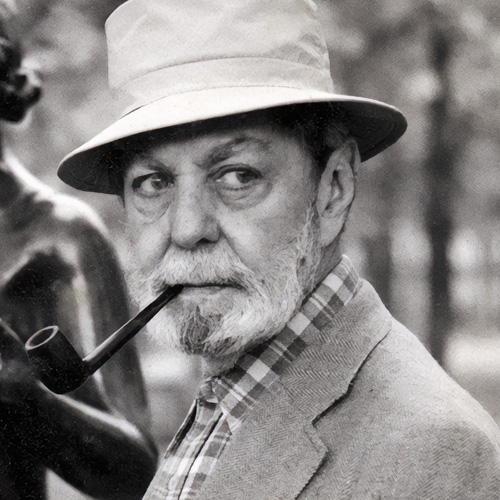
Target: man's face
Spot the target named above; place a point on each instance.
(230, 215)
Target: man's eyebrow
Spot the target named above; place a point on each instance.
(144, 159)
(226, 150)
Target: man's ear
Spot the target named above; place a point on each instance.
(336, 190)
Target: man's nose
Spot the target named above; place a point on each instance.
(193, 220)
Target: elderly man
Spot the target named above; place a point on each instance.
(236, 163)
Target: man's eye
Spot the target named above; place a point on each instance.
(238, 179)
(151, 184)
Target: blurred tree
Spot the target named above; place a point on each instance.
(440, 166)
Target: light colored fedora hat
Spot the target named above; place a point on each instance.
(173, 62)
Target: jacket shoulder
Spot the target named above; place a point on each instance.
(406, 430)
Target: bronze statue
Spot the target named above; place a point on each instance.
(58, 267)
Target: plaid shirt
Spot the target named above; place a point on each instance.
(223, 402)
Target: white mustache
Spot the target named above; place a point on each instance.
(217, 266)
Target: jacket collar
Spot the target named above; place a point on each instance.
(277, 451)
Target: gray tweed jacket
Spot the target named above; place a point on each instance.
(363, 413)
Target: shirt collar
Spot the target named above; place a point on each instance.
(238, 389)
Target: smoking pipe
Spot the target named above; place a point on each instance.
(61, 369)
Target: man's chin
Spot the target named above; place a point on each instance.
(211, 346)
(202, 330)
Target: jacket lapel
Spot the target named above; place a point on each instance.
(272, 456)
(337, 346)
(276, 451)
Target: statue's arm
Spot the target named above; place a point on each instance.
(98, 453)
(95, 451)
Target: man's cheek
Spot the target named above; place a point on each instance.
(146, 248)
(248, 243)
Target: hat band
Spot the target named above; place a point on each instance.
(220, 73)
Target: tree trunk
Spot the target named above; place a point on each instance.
(439, 168)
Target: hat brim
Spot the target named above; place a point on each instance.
(373, 124)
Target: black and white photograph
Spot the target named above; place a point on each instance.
(249, 250)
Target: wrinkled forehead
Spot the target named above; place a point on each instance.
(215, 140)
(211, 145)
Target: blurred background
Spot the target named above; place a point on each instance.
(425, 227)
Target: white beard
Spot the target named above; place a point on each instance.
(257, 309)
